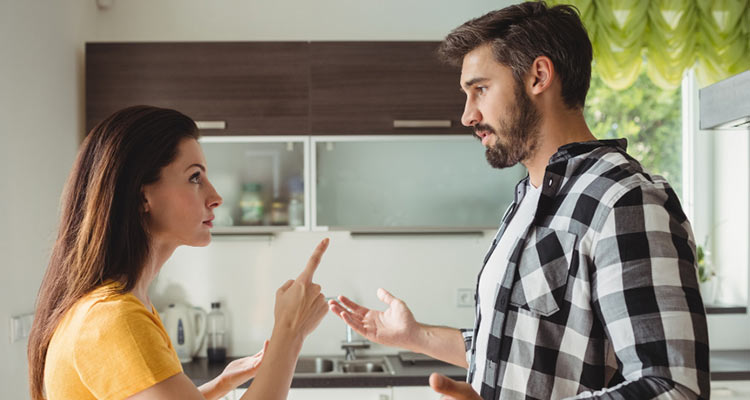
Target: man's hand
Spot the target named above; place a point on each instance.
(395, 326)
(451, 389)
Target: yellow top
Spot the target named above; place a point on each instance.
(108, 346)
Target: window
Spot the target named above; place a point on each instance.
(648, 116)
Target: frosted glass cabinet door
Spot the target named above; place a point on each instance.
(261, 179)
(432, 182)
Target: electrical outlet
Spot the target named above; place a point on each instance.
(464, 297)
(20, 327)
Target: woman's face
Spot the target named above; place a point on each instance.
(179, 206)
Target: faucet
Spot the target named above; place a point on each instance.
(349, 345)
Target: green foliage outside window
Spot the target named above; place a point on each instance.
(648, 116)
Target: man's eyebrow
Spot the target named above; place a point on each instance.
(196, 165)
(471, 82)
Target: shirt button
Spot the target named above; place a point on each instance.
(550, 182)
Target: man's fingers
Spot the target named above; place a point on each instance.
(449, 387)
(337, 309)
(385, 297)
(356, 308)
(312, 264)
(358, 326)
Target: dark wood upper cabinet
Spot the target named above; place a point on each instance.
(256, 88)
(281, 88)
(367, 87)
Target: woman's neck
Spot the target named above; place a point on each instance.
(159, 253)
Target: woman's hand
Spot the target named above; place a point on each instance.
(241, 370)
(300, 306)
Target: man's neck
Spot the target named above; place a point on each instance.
(556, 129)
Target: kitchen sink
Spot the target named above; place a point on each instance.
(350, 367)
(313, 365)
(339, 366)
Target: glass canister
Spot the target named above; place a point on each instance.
(216, 348)
(279, 214)
(251, 205)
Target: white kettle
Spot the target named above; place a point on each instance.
(186, 327)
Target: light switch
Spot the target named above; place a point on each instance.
(20, 327)
(464, 297)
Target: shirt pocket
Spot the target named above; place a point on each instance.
(542, 273)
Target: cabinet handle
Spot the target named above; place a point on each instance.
(211, 124)
(421, 123)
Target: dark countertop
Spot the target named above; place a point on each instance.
(725, 365)
(417, 374)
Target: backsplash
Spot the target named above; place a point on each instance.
(243, 272)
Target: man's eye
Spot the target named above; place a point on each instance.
(482, 89)
(195, 178)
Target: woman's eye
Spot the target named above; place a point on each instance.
(195, 178)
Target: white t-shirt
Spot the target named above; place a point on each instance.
(493, 273)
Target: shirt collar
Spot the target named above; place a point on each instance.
(571, 150)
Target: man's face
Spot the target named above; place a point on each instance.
(502, 114)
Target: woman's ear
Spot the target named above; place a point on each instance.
(144, 201)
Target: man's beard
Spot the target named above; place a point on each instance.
(519, 134)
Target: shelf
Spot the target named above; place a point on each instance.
(725, 309)
(251, 230)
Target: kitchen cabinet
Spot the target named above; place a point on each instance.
(333, 394)
(730, 390)
(383, 88)
(262, 180)
(392, 184)
(231, 88)
(280, 88)
(414, 393)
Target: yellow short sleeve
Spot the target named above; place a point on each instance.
(122, 349)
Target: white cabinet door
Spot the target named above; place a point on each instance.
(340, 394)
(414, 393)
(331, 394)
(730, 390)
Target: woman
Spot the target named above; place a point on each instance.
(137, 191)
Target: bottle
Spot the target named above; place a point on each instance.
(279, 214)
(251, 205)
(216, 347)
(296, 207)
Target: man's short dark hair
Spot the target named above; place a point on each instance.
(520, 33)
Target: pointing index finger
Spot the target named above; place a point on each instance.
(312, 264)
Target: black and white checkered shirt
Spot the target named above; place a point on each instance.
(600, 297)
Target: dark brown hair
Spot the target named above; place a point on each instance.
(102, 234)
(520, 33)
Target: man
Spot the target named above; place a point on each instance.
(589, 289)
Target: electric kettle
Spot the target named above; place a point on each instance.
(186, 327)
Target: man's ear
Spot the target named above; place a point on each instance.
(541, 74)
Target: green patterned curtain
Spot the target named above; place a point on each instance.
(672, 35)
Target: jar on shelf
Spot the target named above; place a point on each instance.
(279, 214)
(296, 207)
(251, 204)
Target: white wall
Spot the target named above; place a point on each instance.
(40, 121)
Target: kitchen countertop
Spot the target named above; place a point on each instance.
(725, 365)
(200, 372)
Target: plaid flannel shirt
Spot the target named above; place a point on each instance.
(600, 297)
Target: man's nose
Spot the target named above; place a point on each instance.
(471, 115)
